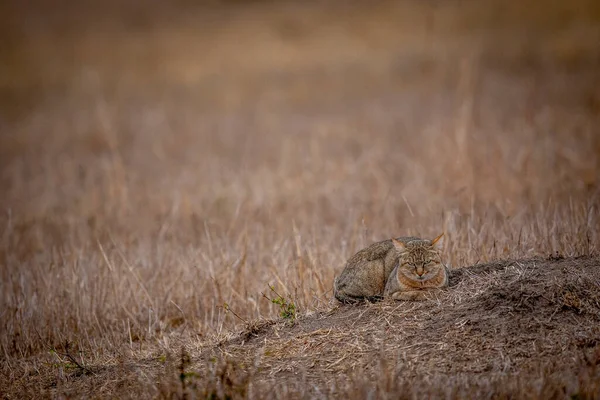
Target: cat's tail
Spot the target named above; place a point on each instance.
(345, 298)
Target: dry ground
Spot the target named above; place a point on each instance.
(161, 166)
(514, 328)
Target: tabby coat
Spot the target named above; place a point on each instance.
(404, 268)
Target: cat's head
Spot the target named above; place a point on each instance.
(419, 258)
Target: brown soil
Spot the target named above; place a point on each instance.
(507, 329)
(537, 319)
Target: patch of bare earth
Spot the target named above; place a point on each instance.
(499, 327)
(524, 328)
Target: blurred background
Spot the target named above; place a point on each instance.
(192, 152)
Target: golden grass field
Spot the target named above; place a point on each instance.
(163, 164)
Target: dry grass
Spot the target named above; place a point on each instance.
(161, 168)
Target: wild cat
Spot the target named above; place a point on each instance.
(404, 268)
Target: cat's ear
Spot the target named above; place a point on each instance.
(438, 242)
(400, 247)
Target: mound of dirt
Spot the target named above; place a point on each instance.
(513, 327)
(509, 329)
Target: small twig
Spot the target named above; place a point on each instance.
(274, 291)
(184, 361)
(226, 308)
(74, 360)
